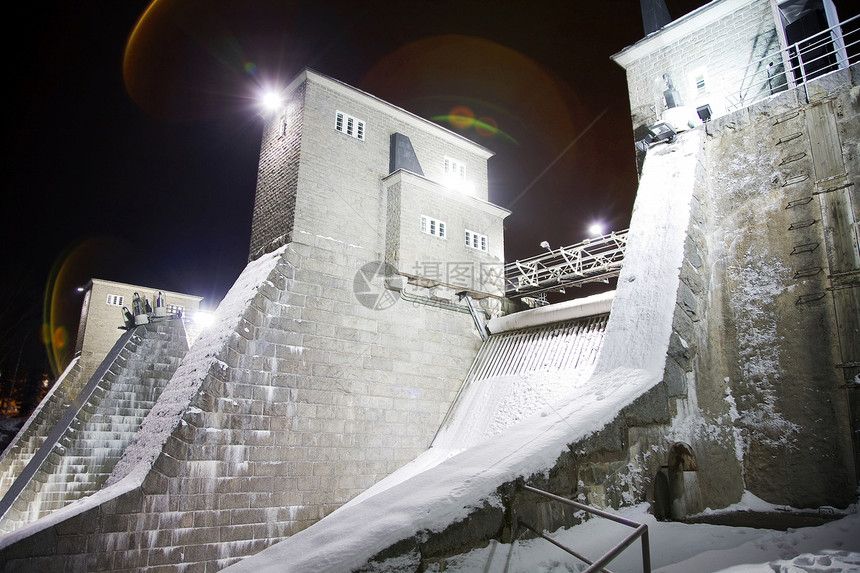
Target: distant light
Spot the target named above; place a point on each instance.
(80, 289)
(272, 100)
(595, 230)
(204, 318)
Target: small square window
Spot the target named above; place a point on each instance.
(114, 300)
(349, 125)
(432, 226)
(454, 168)
(476, 241)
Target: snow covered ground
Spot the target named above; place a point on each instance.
(682, 548)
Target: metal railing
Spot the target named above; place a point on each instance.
(592, 260)
(794, 66)
(639, 530)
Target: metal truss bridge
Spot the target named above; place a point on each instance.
(592, 260)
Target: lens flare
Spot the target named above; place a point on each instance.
(493, 94)
(461, 117)
(60, 338)
(195, 59)
(487, 127)
(61, 309)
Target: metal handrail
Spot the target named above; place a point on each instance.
(787, 68)
(639, 530)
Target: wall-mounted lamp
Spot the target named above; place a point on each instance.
(657, 133)
(704, 112)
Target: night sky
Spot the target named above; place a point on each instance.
(132, 129)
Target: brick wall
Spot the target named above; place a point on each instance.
(277, 177)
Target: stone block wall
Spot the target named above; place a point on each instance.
(32, 435)
(778, 330)
(311, 398)
(318, 182)
(432, 260)
(107, 413)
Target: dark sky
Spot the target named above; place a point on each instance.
(131, 141)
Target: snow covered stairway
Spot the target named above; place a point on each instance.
(93, 442)
(31, 436)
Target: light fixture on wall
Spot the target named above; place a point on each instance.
(704, 112)
(659, 132)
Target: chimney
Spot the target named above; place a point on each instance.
(655, 15)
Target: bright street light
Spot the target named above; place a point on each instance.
(271, 100)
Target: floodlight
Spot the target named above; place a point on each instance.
(271, 100)
(704, 112)
(658, 132)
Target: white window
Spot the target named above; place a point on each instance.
(476, 240)
(455, 169)
(349, 125)
(175, 309)
(433, 227)
(699, 82)
(114, 299)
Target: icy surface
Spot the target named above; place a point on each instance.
(680, 548)
(427, 497)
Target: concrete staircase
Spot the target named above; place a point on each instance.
(89, 448)
(32, 435)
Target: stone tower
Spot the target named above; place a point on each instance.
(339, 166)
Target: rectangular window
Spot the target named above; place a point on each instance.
(114, 300)
(476, 241)
(433, 226)
(175, 309)
(455, 169)
(349, 125)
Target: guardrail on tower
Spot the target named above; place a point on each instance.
(826, 51)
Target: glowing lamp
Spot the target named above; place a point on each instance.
(595, 230)
(204, 319)
(271, 100)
